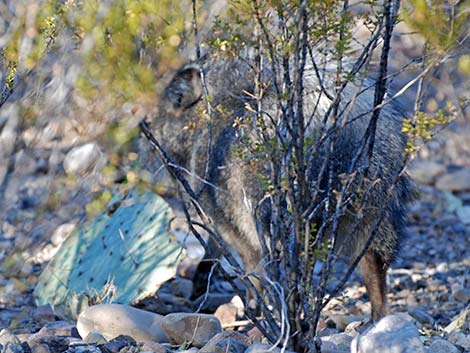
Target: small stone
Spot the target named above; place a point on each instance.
(197, 329)
(95, 337)
(43, 314)
(112, 320)
(25, 164)
(422, 316)
(117, 344)
(457, 181)
(392, 334)
(463, 213)
(461, 294)
(340, 322)
(442, 346)
(12, 348)
(460, 339)
(182, 287)
(82, 159)
(355, 328)
(426, 172)
(226, 313)
(153, 347)
(55, 343)
(238, 303)
(328, 346)
(59, 328)
(459, 228)
(7, 337)
(86, 349)
(40, 348)
(341, 340)
(255, 334)
(226, 342)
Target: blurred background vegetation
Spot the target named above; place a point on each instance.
(78, 71)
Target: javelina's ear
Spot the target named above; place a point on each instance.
(185, 89)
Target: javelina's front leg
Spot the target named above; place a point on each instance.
(251, 258)
(374, 270)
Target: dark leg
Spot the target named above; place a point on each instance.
(373, 269)
(251, 258)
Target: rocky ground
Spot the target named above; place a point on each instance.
(430, 281)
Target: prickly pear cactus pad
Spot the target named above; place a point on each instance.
(120, 257)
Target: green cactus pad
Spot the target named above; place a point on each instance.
(128, 251)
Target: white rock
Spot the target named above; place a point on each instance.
(82, 159)
(392, 334)
(238, 303)
(111, 320)
(61, 233)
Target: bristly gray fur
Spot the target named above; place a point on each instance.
(184, 136)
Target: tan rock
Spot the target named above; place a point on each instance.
(112, 320)
(226, 313)
(196, 329)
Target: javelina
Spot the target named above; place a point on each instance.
(233, 185)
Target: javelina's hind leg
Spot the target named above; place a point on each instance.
(374, 270)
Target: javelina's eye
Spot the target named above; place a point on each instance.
(185, 90)
(194, 103)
